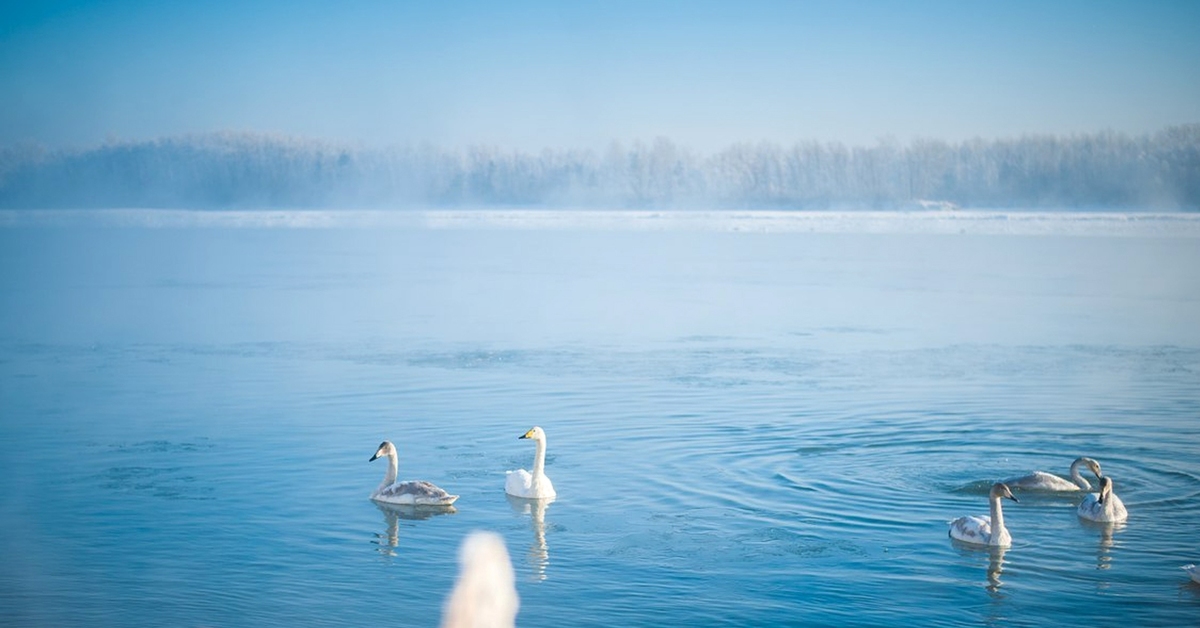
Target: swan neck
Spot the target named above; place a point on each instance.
(997, 513)
(1078, 478)
(389, 478)
(539, 458)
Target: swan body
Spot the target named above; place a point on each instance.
(531, 485)
(1104, 506)
(1042, 481)
(985, 530)
(1193, 572)
(413, 493)
(485, 595)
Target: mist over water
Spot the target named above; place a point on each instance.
(753, 419)
(1102, 170)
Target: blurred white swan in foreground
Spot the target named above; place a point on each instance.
(536, 485)
(1042, 481)
(1104, 506)
(485, 595)
(988, 530)
(414, 493)
(1194, 572)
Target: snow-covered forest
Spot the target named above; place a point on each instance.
(1098, 170)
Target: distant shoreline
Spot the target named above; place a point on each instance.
(233, 171)
(965, 222)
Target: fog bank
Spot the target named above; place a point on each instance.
(255, 171)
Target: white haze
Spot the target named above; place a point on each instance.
(1102, 170)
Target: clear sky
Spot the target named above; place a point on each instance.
(581, 73)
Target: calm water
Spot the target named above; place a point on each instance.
(744, 428)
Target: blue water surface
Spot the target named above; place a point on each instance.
(744, 429)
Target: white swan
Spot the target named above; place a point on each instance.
(485, 595)
(1104, 506)
(1193, 572)
(415, 493)
(536, 485)
(1042, 481)
(987, 530)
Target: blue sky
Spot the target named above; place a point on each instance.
(529, 75)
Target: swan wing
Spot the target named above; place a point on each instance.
(1091, 508)
(1111, 511)
(1041, 481)
(971, 529)
(415, 492)
(519, 483)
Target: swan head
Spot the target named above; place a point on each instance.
(386, 448)
(1106, 488)
(1091, 464)
(534, 433)
(1000, 489)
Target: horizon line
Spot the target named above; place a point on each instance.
(958, 222)
(616, 143)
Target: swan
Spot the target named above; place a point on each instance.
(415, 493)
(1193, 572)
(536, 485)
(1104, 506)
(485, 595)
(1042, 481)
(987, 530)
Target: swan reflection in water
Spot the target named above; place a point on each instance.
(539, 553)
(1105, 545)
(995, 567)
(393, 513)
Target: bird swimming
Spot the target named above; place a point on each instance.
(535, 485)
(412, 493)
(1042, 481)
(988, 530)
(1104, 506)
(485, 595)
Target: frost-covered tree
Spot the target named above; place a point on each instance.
(1103, 169)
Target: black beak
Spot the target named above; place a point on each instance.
(1014, 498)
(522, 436)
(374, 457)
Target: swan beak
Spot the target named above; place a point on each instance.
(374, 457)
(1014, 498)
(526, 435)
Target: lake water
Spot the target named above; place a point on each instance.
(752, 419)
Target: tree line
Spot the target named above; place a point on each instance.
(226, 170)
